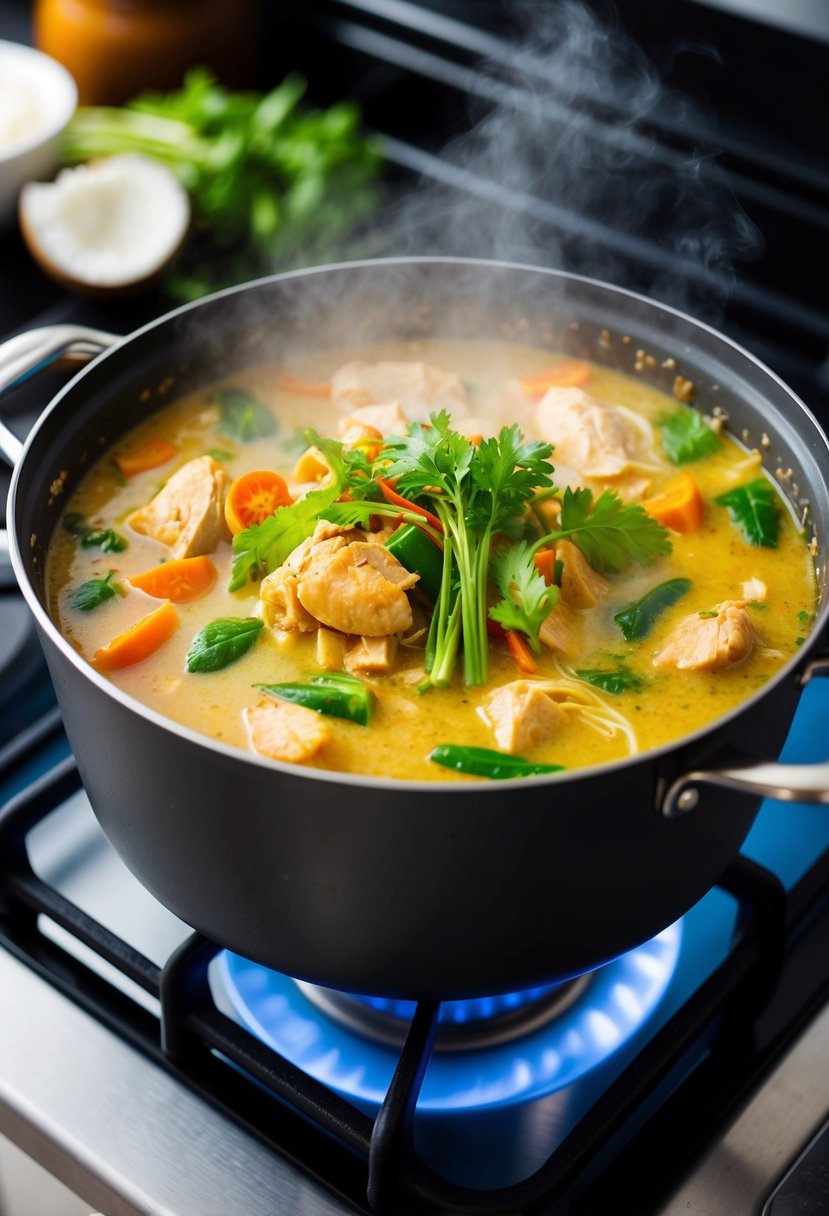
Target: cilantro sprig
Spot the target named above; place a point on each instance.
(609, 532)
(686, 436)
(526, 600)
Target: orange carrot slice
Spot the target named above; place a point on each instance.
(183, 580)
(679, 506)
(521, 653)
(139, 641)
(545, 564)
(311, 388)
(149, 455)
(397, 500)
(572, 374)
(254, 497)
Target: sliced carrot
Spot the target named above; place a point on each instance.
(572, 374)
(521, 653)
(139, 641)
(312, 388)
(679, 506)
(391, 495)
(149, 455)
(545, 564)
(183, 580)
(254, 497)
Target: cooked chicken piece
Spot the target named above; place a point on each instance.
(358, 588)
(600, 443)
(474, 429)
(419, 388)
(521, 715)
(387, 419)
(283, 731)
(581, 585)
(708, 643)
(330, 649)
(188, 514)
(372, 656)
(280, 604)
(559, 631)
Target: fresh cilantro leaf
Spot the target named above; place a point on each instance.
(685, 436)
(620, 680)
(755, 510)
(506, 471)
(263, 547)
(105, 539)
(351, 467)
(93, 592)
(527, 600)
(241, 416)
(610, 533)
(222, 642)
(638, 618)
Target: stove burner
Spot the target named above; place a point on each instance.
(463, 1025)
(588, 1026)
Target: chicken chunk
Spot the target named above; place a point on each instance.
(559, 631)
(188, 514)
(599, 443)
(330, 649)
(280, 604)
(387, 419)
(709, 643)
(521, 716)
(358, 588)
(283, 731)
(372, 656)
(419, 388)
(581, 585)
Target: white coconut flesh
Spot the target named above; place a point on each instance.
(107, 224)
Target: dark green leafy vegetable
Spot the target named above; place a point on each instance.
(93, 592)
(754, 509)
(222, 642)
(686, 437)
(269, 181)
(414, 550)
(340, 695)
(637, 619)
(242, 417)
(622, 679)
(484, 762)
(609, 532)
(75, 524)
(105, 539)
(526, 601)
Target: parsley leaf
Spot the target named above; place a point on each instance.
(685, 436)
(638, 618)
(261, 548)
(610, 533)
(755, 510)
(105, 539)
(241, 416)
(527, 600)
(222, 642)
(620, 680)
(93, 592)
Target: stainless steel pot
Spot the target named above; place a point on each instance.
(405, 888)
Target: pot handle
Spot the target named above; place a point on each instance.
(764, 779)
(22, 357)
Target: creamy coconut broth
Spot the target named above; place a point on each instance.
(695, 651)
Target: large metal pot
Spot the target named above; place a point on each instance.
(405, 888)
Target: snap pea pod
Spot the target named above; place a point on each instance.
(414, 550)
(340, 696)
(638, 618)
(485, 762)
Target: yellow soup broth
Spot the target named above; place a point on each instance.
(407, 723)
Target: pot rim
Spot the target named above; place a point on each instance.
(328, 776)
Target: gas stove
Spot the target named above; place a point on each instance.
(157, 1074)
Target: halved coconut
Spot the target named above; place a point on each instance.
(106, 228)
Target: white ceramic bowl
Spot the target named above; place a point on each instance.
(37, 98)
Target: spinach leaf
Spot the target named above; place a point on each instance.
(620, 680)
(222, 642)
(74, 524)
(638, 618)
(242, 417)
(685, 436)
(103, 538)
(755, 510)
(485, 762)
(92, 593)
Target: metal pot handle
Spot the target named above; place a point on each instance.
(764, 779)
(22, 357)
